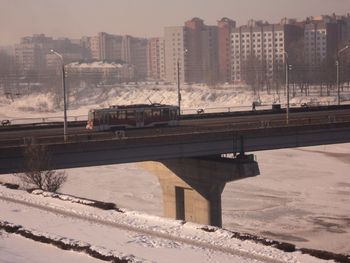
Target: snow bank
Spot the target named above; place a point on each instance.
(69, 244)
(73, 199)
(218, 98)
(156, 232)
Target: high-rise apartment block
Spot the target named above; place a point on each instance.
(319, 41)
(225, 26)
(33, 53)
(199, 53)
(156, 67)
(134, 52)
(174, 50)
(105, 47)
(30, 53)
(194, 47)
(131, 50)
(260, 49)
(323, 36)
(257, 50)
(29, 57)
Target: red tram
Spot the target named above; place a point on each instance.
(132, 116)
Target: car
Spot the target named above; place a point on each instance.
(5, 122)
(200, 111)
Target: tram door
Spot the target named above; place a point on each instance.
(104, 122)
(139, 118)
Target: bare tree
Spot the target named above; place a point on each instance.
(38, 169)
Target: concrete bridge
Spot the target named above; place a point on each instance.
(189, 165)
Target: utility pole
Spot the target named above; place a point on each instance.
(178, 87)
(287, 86)
(337, 65)
(64, 95)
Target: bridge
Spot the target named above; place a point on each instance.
(187, 159)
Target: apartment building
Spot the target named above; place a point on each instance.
(346, 32)
(29, 57)
(194, 47)
(201, 51)
(30, 52)
(324, 36)
(33, 53)
(131, 50)
(225, 26)
(106, 47)
(156, 66)
(321, 39)
(134, 51)
(174, 51)
(259, 50)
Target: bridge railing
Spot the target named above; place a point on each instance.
(182, 130)
(29, 120)
(49, 119)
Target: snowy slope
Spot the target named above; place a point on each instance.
(194, 97)
(129, 234)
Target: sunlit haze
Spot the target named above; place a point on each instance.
(144, 18)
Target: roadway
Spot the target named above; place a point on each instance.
(46, 133)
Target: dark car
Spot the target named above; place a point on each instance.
(5, 122)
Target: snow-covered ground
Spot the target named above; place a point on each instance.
(18, 249)
(301, 196)
(80, 100)
(129, 234)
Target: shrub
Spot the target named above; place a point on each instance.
(38, 170)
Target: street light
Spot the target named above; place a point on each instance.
(64, 95)
(337, 65)
(287, 85)
(178, 86)
(178, 77)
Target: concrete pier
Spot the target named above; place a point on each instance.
(192, 187)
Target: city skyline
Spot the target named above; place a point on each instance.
(70, 19)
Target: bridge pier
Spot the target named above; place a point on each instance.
(192, 187)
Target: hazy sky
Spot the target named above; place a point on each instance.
(144, 18)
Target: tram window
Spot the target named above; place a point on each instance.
(148, 113)
(113, 115)
(97, 115)
(156, 113)
(130, 114)
(122, 115)
(139, 116)
(165, 113)
(173, 115)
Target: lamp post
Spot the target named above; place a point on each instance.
(287, 86)
(64, 95)
(337, 65)
(178, 77)
(178, 87)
